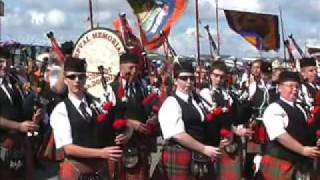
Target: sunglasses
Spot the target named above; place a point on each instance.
(185, 78)
(74, 76)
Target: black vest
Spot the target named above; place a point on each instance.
(12, 111)
(258, 100)
(133, 107)
(297, 128)
(88, 133)
(192, 120)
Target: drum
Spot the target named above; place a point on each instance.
(100, 47)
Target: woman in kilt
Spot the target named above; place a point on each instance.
(185, 155)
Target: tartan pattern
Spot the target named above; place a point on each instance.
(48, 149)
(174, 165)
(15, 141)
(253, 147)
(140, 172)
(229, 166)
(70, 170)
(176, 161)
(274, 169)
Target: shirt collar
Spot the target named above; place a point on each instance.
(75, 101)
(182, 95)
(288, 102)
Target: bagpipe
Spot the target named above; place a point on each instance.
(213, 113)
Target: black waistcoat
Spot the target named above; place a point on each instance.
(12, 111)
(133, 107)
(192, 120)
(258, 100)
(297, 128)
(88, 133)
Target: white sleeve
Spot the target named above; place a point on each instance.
(275, 120)
(252, 89)
(60, 124)
(170, 118)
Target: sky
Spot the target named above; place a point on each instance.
(27, 21)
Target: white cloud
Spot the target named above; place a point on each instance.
(55, 18)
(67, 18)
(243, 5)
(37, 18)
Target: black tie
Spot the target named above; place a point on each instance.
(84, 112)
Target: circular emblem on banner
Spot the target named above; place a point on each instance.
(100, 47)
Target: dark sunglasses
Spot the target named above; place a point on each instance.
(185, 78)
(74, 76)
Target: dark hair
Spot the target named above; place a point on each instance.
(220, 65)
(257, 61)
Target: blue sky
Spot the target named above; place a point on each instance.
(28, 21)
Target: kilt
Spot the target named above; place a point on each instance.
(72, 170)
(175, 165)
(48, 149)
(229, 166)
(13, 142)
(274, 168)
(141, 171)
(253, 147)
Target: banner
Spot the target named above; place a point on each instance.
(156, 17)
(260, 30)
(131, 42)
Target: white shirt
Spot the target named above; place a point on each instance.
(276, 119)
(207, 94)
(60, 123)
(170, 115)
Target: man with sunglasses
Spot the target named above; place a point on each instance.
(289, 153)
(86, 144)
(218, 96)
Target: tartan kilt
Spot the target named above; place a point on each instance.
(274, 169)
(175, 165)
(253, 147)
(229, 166)
(17, 142)
(72, 170)
(48, 149)
(141, 171)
